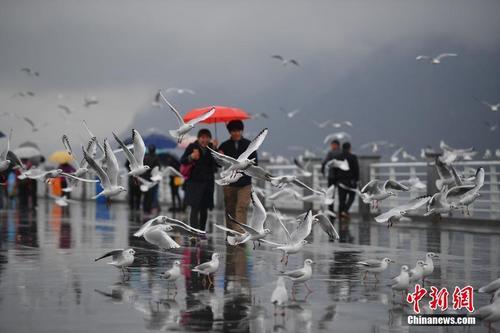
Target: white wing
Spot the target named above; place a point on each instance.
(259, 213)
(202, 117)
(254, 145)
(130, 157)
(287, 233)
(97, 168)
(443, 55)
(303, 229)
(139, 147)
(112, 167)
(174, 110)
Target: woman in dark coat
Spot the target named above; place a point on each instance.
(199, 187)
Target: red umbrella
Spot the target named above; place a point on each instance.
(223, 114)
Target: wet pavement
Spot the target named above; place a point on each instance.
(49, 281)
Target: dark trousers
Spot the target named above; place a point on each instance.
(134, 194)
(346, 198)
(174, 193)
(331, 181)
(150, 199)
(198, 217)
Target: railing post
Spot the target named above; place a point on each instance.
(365, 163)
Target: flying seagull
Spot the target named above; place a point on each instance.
(284, 61)
(436, 60)
(136, 159)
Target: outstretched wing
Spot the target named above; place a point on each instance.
(303, 229)
(202, 117)
(226, 229)
(327, 226)
(154, 221)
(259, 214)
(254, 145)
(174, 110)
(111, 164)
(139, 146)
(130, 157)
(443, 55)
(114, 253)
(248, 229)
(224, 160)
(97, 168)
(395, 185)
(371, 186)
(183, 226)
(287, 233)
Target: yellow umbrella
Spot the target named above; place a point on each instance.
(61, 157)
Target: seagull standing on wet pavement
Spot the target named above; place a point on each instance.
(417, 272)
(208, 268)
(429, 265)
(279, 297)
(374, 266)
(120, 258)
(301, 275)
(402, 281)
(173, 273)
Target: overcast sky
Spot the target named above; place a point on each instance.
(357, 63)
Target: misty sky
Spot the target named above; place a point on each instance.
(357, 63)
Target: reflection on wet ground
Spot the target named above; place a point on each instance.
(50, 283)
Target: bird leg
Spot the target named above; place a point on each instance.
(376, 278)
(253, 244)
(308, 289)
(364, 276)
(286, 262)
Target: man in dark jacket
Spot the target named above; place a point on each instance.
(348, 178)
(237, 195)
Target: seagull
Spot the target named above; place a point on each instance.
(347, 123)
(417, 272)
(321, 124)
(374, 266)
(397, 213)
(339, 164)
(30, 71)
(491, 126)
(173, 273)
(208, 268)
(290, 114)
(173, 224)
(402, 281)
(279, 297)
(4, 161)
(135, 159)
(302, 167)
(89, 101)
(24, 94)
(81, 168)
(284, 61)
(375, 191)
(121, 258)
(445, 174)
(464, 195)
(47, 176)
(414, 183)
(301, 275)
(438, 204)
(157, 235)
(492, 107)
(324, 222)
(255, 231)
(325, 197)
(487, 154)
(429, 264)
(184, 127)
(296, 240)
(242, 162)
(338, 136)
(65, 108)
(394, 156)
(31, 123)
(284, 192)
(436, 60)
(407, 156)
(156, 177)
(62, 201)
(259, 115)
(108, 178)
(179, 91)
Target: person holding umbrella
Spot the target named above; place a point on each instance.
(237, 195)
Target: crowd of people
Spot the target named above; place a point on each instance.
(198, 168)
